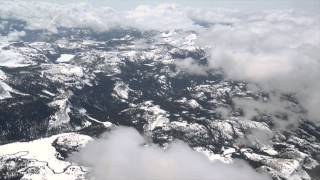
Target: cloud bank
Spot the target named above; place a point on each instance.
(124, 154)
(277, 50)
(51, 16)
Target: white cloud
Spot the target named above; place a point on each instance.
(190, 66)
(124, 154)
(50, 16)
(277, 50)
(286, 114)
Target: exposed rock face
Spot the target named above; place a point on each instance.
(69, 143)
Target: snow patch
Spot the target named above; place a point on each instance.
(65, 58)
(6, 90)
(41, 150)
(121, 90)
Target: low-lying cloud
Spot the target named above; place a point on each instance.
(192, 67)
(50, 16)
(124, 154)
(277, 50)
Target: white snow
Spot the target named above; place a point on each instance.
(3, 76)
(121, 90)
(61, 116)
(48, 93)
(269, 150)
(65, 58)
(63, 72)
(10, 58)
(71, 173)
(247, 124)
(192, 129)
(212, 156)
(160, 121)
(193, 103)
(105, 124)
(6, 90)
(155, 116)
(229, 151)
(180, 123)
(83, 111)
(158, 116)
(42, 150)
(286, 167)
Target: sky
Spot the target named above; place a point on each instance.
(311, 6)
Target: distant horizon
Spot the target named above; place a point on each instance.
(308, 6)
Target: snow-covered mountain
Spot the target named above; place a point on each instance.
(59, 91)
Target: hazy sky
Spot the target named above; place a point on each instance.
(249, 5)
